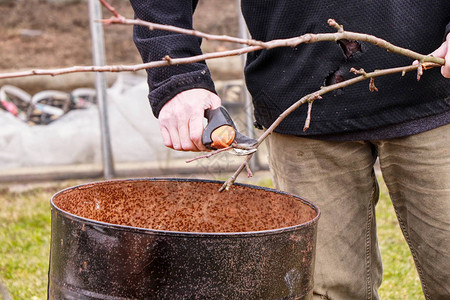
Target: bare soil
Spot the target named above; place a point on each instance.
(36, 34)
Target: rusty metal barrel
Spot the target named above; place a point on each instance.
(180, 239)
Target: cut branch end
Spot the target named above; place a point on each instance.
(419, 70)
(359, 72)
(372, 86)
(308, 117)
(335, 25)
(110, 8)
(168, 59)
(249, 171)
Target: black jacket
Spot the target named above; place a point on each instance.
(276, 78)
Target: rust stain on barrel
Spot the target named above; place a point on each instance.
(246, 243)
(184, 206)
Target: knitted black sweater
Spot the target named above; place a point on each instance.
(276, 78)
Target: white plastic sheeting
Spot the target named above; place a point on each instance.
(75, 137)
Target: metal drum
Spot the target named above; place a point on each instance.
(180, 239)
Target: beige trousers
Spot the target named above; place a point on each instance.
(339, 178)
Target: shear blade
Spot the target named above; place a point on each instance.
(241, 152)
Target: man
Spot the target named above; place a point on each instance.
(405, 124)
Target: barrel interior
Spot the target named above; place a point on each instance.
(185, 206)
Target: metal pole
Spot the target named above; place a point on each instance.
(98, 52)
(243, 33)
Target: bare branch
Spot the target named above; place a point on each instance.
(253, 46)
(156, 26)
(110, 8)
(234, 145)
(308, 117)
(210, 154)
(419, 70)
(330, 88)
(333, 23)
(316, 95)
(358, 72)
(372, 86)
(289, 42)
(130, 68)
(249, 171)
(230, 181)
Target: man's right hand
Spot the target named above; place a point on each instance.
(181, 119)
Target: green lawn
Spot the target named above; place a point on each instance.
(25, 241)
(400, 278)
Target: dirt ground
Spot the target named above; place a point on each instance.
(36, 34)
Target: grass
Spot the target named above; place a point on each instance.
(25, 240)
(400, 278)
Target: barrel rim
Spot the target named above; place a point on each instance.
(245, 234)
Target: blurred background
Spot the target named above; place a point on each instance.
(51, 138)
(50, 126)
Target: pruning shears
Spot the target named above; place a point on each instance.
(220, 132)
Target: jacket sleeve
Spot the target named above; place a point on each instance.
(447, 30)
(166, 82)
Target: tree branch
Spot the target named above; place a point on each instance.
(253, 46)
(110, 8)
(155, 26)
(424, 62)
(226, 186)
(316, 95)
(211, 153)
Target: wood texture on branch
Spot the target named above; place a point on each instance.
(253, 46)
(341, 34)
(166, 61)
(207, 36)
(316, 95)
(289, 42)
(310, 98)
